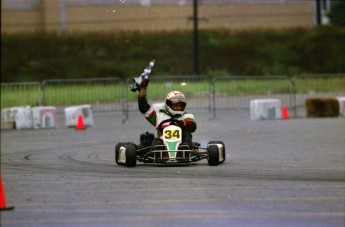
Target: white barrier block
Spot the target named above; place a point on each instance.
(265, 109)
(341, 101)
(72, 113)
(5, 114)
(44, 117)
(23, 117)
(8, 114)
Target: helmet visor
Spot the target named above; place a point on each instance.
(178, 106)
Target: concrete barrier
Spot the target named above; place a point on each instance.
(72, 113)
(44, 117)
(23, 117)
(341, 101)
(265, 109)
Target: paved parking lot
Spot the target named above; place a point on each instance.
(277, 173)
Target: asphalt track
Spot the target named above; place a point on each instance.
(277, 173)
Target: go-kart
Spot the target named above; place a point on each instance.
(171, 151)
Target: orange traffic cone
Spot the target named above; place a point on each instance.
(2, 198)
(80, 123)
(285, 113)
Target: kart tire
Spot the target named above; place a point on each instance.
(213, 155)
(131, 155)
(220, 142)
(117, 149)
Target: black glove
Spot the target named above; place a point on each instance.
(144, 82)
(182, 124)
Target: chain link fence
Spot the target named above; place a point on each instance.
(211, 94)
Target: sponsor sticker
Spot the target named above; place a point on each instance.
(220, 148)
(122, 155)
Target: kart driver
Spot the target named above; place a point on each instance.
(174, 108)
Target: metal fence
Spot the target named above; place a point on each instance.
(203, 93)
(102, 93)
(237, 92)
(196, 88)
(20, 94)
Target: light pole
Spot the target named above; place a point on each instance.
(318, 12)
(196, 37)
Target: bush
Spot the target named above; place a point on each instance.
(336, 14)
(40, 56)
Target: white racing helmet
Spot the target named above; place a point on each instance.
(175, 97)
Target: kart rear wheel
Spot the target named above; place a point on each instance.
(117, 149)
(213, 155)
(223, 153)
(131, 155)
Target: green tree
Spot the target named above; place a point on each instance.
(337, 13)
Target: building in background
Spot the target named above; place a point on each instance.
(152, 15)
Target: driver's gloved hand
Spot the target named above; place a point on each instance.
(144, 82)
(182, 124)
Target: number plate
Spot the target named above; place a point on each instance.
(172, 136)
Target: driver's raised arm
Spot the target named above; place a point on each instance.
(144, 106)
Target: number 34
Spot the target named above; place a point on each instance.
(172, 134)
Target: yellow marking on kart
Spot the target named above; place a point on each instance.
(172, 134)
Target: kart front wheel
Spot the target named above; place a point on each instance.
(213, 155)
(223, 150)
(131, 155)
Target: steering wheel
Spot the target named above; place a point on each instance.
(172, 121)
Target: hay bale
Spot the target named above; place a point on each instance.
(322, 107)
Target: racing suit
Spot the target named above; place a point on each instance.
(157, 114)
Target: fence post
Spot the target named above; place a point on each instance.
(125, 100)
(293, 97)
(43, 93)
(213, 87)
(209, 82)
